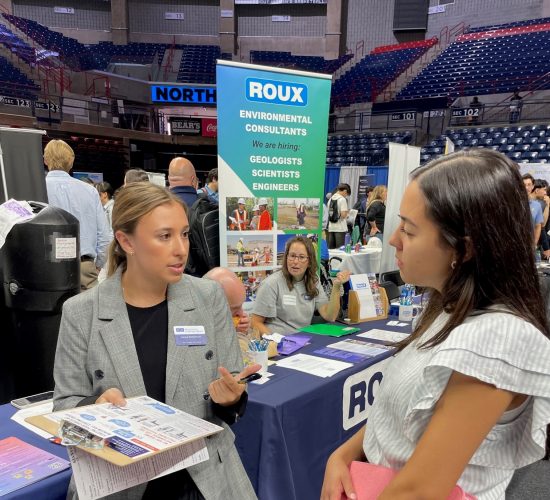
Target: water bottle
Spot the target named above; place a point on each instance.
(376, 294)
(538, 257)
(405, 303)
(348, 243)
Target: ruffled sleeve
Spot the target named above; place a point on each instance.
(507, 352)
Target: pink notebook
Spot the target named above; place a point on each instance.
(369, 481)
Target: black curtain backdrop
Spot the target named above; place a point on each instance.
(22, 165)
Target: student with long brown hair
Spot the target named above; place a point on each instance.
(467, 397)
(288, 298)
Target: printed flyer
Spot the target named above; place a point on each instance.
(272, 136)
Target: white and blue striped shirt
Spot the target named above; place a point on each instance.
(496, 348)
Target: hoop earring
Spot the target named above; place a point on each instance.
(453, 265)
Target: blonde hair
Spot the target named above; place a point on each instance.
(377, 194)
(132, 203)
(58, 155)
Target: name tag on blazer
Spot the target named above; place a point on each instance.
(190, 335)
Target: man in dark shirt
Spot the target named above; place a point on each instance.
(182, 180)
(516, 102)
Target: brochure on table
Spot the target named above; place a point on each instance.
(361, 285)
(22, 464)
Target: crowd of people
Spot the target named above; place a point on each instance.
(466, 398)
(371, 213)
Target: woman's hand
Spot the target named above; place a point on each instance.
(113, 396)
(342, 277)
(226, 390)
(337, 479)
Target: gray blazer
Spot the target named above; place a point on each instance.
(96, 351)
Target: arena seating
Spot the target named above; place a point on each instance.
(96, 154)
(488, 60)
(135, 53)
(304, 63)
(516, 24)
(16, 45)
(13, 83)
(363, 149)
(72, 53)
(529, 143)
(198, 63)
(376, 71)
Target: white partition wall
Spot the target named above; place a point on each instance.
(403, 160)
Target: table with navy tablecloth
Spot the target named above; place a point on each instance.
(294, 422)
(291, 425)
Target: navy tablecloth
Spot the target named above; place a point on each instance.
(291, 425)
(51, 488)
(294, 422)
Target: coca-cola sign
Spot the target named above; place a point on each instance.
(209, 127)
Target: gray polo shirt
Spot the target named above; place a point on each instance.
(286, 310)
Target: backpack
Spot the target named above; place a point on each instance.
(204, 237)
(203, 193)
(333, 212)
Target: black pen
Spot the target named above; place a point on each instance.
(245, 380)
(250, 378)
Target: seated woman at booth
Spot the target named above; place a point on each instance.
(287, 300)
(466, 400)
(117, 341)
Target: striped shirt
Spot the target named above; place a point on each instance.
(496, 348)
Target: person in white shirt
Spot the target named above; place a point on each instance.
(105, 191)
(337, 229)
(466, 399)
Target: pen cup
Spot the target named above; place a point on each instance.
(406, 312)
(259, 357)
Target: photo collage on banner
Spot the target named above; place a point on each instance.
(272, 135)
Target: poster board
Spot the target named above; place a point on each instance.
(272, 132)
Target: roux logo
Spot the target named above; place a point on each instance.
(359, 392)
(275, 92)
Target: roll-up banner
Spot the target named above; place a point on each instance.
(272, 136)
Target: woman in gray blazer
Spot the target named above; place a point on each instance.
(118, 340)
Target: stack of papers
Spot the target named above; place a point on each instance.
(386, 336)
(134, 436)
(360, 283)
(20, 416)
(352, 350)
(314, 365)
